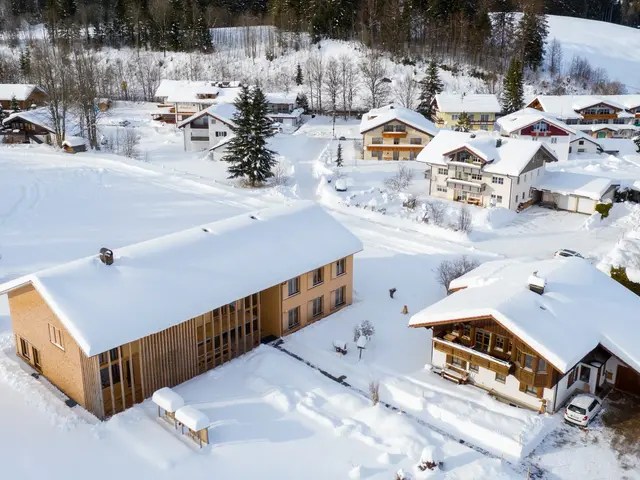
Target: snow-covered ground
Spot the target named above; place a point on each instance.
(268, 408)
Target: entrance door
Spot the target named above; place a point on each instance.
(462, 196)
(628, 380)
(396, 155)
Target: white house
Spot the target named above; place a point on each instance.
(533, 333)
(581, 143)
(484, 169)
(209, 127)
(179, 99)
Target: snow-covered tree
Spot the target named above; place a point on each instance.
(247, 153)
(464, 122)
(299, 78)
(302, 102)
(339, 161)
(532, 32)
(430, 86)
(637, 142)
(512, 88)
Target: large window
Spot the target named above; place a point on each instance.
(340, 296)
(542, 366)
(529, 390)
(376, 141)
(294, 317)
(317, 307)
(293, 286)
(466, 330)
(341, 267)
(483, 340)
(484, 118)
(443, 171)
(318, 276)
(416, 141)
(526, 361)
(55, 337)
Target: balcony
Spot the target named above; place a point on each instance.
(389, 146)
(471, 186)
(472, 355)
(394, 134)
(599, 116)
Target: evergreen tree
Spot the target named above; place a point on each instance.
(203, 35)
(533, 31)
(25, 63)
(430, 86)
(339, 155)
(512, 88)
(247, 153)
(13, 105)
(464, 122)
(302, 102)
(175, 33)
(299, 78)
(637, 142)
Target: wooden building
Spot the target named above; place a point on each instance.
(24, 96)
(109, 330)
(533, 333)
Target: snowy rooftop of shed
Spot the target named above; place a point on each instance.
(192, 418)
(470, 103)
(510, 158)
(569, 183)
(162, 282)
(73, 142)
(379, 116)
(20, 91)
(167, 399)
(580, 308)
(529, 116)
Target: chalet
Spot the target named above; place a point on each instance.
(581, 110)
(282, 109)
(533, 333)
(482, 110)
(208, 127)
(581, 143)
(532, 124)
(33, 126)
(111, 329)
(484, 169)
(179, 99)
(23, 95)
(394, 133)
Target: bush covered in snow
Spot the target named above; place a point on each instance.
(430, 459)
(449, 270)
(364, 329)
(401, 180)
(374, 391)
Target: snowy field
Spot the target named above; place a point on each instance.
(268, 408)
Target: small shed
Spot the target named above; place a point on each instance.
(196, 422)
(103, 104)
(168, 403)
(575, 192)
(74, 145)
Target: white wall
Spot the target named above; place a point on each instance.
(523, 188)
(215, 125)
(588, 147)
(438, 358)
(612, 366)
(511, 388)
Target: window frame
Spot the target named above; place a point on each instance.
(474, 368)
(320, 272)
(24, 349)
(37, 359)
(315, 314)
(485, 336)
(500, 338)
(55, 336)
(531, 390)
(342, 295)
(464, 328)
(291, 311)
(541, 361)
(500, 380)
(296, 281)
(343, 262)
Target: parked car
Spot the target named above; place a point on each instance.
(564, 252)
(341, 185)
(342, 138)
(582, 409)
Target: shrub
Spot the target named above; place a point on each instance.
(449, 270)
(374, 390)
(364, 329)
(401, 180)
(434, 212)
(411, 203)
(603, 209)
(619, 274)
(464, 220)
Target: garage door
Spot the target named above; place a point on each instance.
(628, 379)
(563, 202)
(586, 205)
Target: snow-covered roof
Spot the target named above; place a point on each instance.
(379, 116)
(42, 118)
(467, 102)
(565, 106)
(184, 91)
(20, 91)
(510, 158)
(523, 118)
(167, 399)
(296, 113)
(607, 126)
(569, 183)
(281, 98)
(192, 418)
(580, 135)
(221, 111)
(157, 284)
(73, 142)
(580, 308)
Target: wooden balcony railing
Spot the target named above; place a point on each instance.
(470, 355)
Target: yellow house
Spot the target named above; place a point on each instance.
(111, 329)
(394, 133)
(482, 110)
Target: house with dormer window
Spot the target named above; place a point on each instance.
(483, 169)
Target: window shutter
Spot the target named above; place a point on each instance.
(540, 392)
(523, 387)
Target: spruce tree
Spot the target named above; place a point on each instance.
(532, 33)
(512, 88)
(299, 78)
(25, 63)
(302, 102)
(13, 104)
(464, 122)
(202, 35)
(247, 153)
(339, 155)
(430, 86)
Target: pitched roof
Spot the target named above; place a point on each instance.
(569, 183)
(529, 116)
(510, 158)
(281, 97)
(42, 118)
(580, 308)
(222, 111)
(565, 106)
(162, 282)
(471, 103)
(379, 116)
(184, 91)
(20, 91)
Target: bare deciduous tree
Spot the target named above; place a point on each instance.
(148, 74)
(315, 72)
(434, 212)
(128, 142)
(374, 76)
(332, 83)
(401, 180)
(349, 83)
(284, 79)
(160, 11)
(406, 90)
(87, 73)
(555, 57)
(449, 270)
(464, 220)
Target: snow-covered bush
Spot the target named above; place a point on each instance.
(280, 176)
(401, 180)
(449, 270)
(401, 475)
(411, 202)
(434, 212)
(464, 220)
(374, 391)
(430, 458)
(367, 329)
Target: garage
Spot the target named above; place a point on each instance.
(586, 205)
(628, 380)
(574, 192)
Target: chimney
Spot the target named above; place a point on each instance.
(106, 256)
(498, 142)
(536, 283)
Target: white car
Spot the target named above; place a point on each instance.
(582, 409)
(564, 252)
